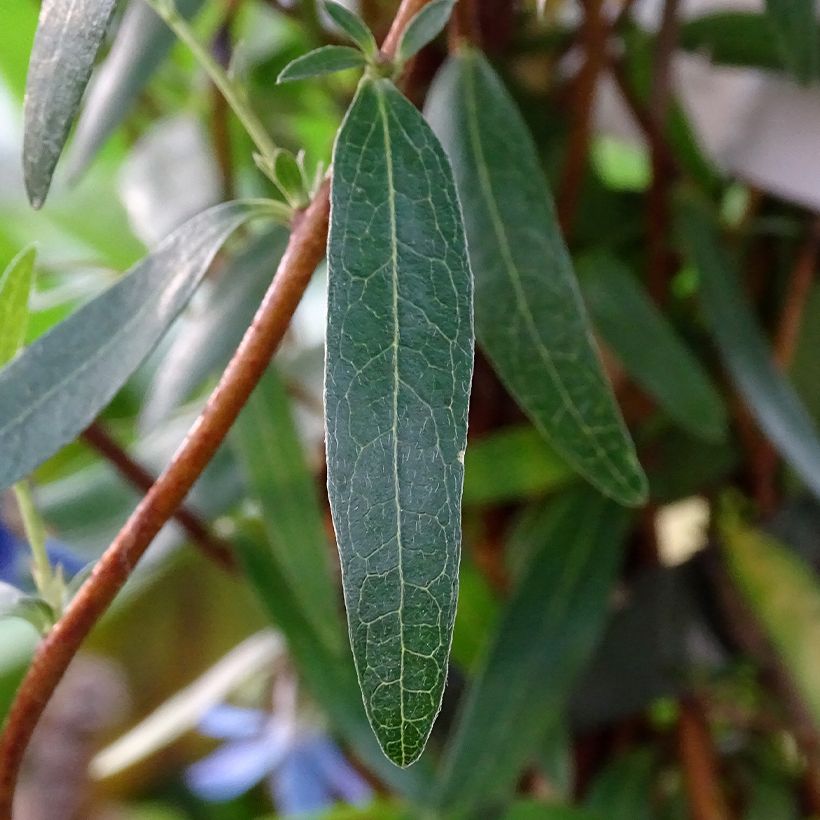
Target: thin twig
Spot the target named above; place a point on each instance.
(304, 252)
(215, 548)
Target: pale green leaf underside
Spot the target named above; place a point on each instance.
(530, 319)
(57, 386)
(399, 366)
(69, 35)
(423, 28)
(15, 288)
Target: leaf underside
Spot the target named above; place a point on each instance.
(530, 319)
(56, 387)
(398, 372)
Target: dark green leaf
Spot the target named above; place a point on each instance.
(399, 365)
(69, 35)
(770, 397)
(649, 349)
(794, 23)
(57, 386)
(545, 637)
(325, 60)
(511, 464)
(142, 43)
(289, 179)
(783, 593)
(529, 316)
(273, 461)
(427, 24)
(623, 791)
(15, 288)
(535, 810)
(352, 25)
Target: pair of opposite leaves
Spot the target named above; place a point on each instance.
(400, 357)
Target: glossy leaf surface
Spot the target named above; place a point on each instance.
(530, 320)
(769, 395)
(399, 365)
(531, 666)
(55, 388)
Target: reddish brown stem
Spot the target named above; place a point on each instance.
(305, 250)
(215, 548)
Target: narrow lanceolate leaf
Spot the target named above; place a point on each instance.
(69, 35)
(353, 26)
(794, 23)
(15, 287)
(56, 387)
(423, 28)
(325, 60)
(649, 349)
(399, 365)
(273, 462)
(528, 673)
(142, 43)
(529, 316)
(769, 396)
(783, 593)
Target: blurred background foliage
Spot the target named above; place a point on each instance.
(606, 664)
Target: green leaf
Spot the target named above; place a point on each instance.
(272, 458)
(511, 464)
(530, 319)
(15, 289)
(15, 603)
(326, 669)
(649, 349)
(783, 593)
(770, 397)
(536, 810)
(142, 43)
(352, 25)
(425, 26)
(324, 60)
(58, 385)
(545, 637)
(69, 35)
(398, 370)
(623, 790)
(794, 23)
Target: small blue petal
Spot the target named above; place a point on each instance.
(298, 786)
(62, 555)
(238, 766)
(227, 722)
(10, 547)
(345, 781)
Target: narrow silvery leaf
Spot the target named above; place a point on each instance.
(530, 319)
(649, 349)
(69, 35)
(325, 60)
(769, 396)
(531, 665)
(143, 41)
(15, 288)
(794, 23)
(424, 28)
(352, 25)
(397, 382)
(57, 386)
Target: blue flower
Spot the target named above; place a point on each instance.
(14, 553)
(305, 770)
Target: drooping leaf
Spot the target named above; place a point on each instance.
(352, 25)
(510, 464)
(649, 349)
(545, 637)
(69, 35)
(56, 387)
(794, 23)
(783, 593)
(325, 669)
(399, 366)
(324, 60)
(770, 397)
(530, 320)
(15, 288)
(273, 461)
(425, 26)
(143, 41)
